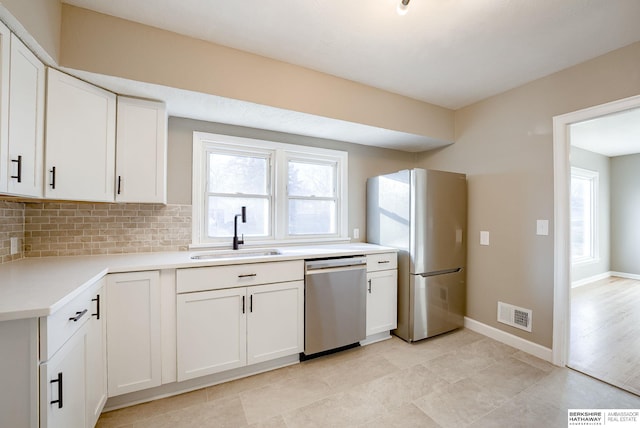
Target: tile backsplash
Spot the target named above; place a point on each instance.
(69, 229)
(11, 226)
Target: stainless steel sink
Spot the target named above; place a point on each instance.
(235, 254)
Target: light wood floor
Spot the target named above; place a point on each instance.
(605, 331)
(461, 379)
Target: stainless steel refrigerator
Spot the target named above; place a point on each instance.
(423, 213)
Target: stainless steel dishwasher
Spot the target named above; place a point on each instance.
(334, 305)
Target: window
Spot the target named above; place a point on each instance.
(584, 186)
(292, 193)
(312, 199)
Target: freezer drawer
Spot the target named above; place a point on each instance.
(436, 305)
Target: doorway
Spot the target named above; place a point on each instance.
(562, 241)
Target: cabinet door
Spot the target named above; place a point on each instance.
(62, 385)
(141, 151)
(96, 356)
(5, 55)
(133, 332)
(275, 325)
(26, 122)
(382, 298)
(80, 132)
(211, 332)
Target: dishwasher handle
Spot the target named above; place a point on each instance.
(323, 264)
(325, 271)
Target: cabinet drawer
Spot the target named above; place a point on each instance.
(58, 327)
(384, 261)
(216, 277)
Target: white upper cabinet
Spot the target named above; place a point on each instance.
(5, 54)
(80, 140)
(141, 151)
(22, 119)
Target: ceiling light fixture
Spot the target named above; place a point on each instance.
(403, 7)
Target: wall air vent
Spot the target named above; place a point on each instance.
(514, 316)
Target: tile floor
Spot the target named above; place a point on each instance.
(457, 380)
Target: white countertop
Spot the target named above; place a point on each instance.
(35, 287)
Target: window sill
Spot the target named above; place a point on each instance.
(585, 262)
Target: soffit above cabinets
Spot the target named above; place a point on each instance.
(211, 108)
(450, 53)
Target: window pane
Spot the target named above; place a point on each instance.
(312, 217)
(308, 179)
(581, 217)
(232, 173)
(222, 211)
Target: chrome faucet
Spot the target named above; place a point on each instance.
(237, 241)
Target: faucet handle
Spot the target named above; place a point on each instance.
(241, 241)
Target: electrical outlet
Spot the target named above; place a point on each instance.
(14, 245)
(356, 233)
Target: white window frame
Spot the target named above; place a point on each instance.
(593, 177)
(281, 154)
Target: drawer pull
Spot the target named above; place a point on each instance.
(78, 316)
(59, 381)
(97, 300)
(247, 275)
(381, 262)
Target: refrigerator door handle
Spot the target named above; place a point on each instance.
(441, 272)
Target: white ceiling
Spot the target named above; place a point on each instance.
(446, 52)
(616, 134)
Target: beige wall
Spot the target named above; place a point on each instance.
(41, 19)
(364, 161)
(504, 144)
(112, 46)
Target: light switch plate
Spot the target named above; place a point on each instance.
(542, 227)
(14, 245)
(484, 237)
(356, 233)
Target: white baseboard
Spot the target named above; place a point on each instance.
(625, 275)
(594, 278)
(375, 338)
(509, 339)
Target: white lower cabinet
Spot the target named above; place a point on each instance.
(133, 332)
(62, 385)
(382, 293)
(73, 354)
(219, 330)
(275, 325)
(96, 356)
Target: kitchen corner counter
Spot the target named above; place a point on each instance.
(35, 287)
